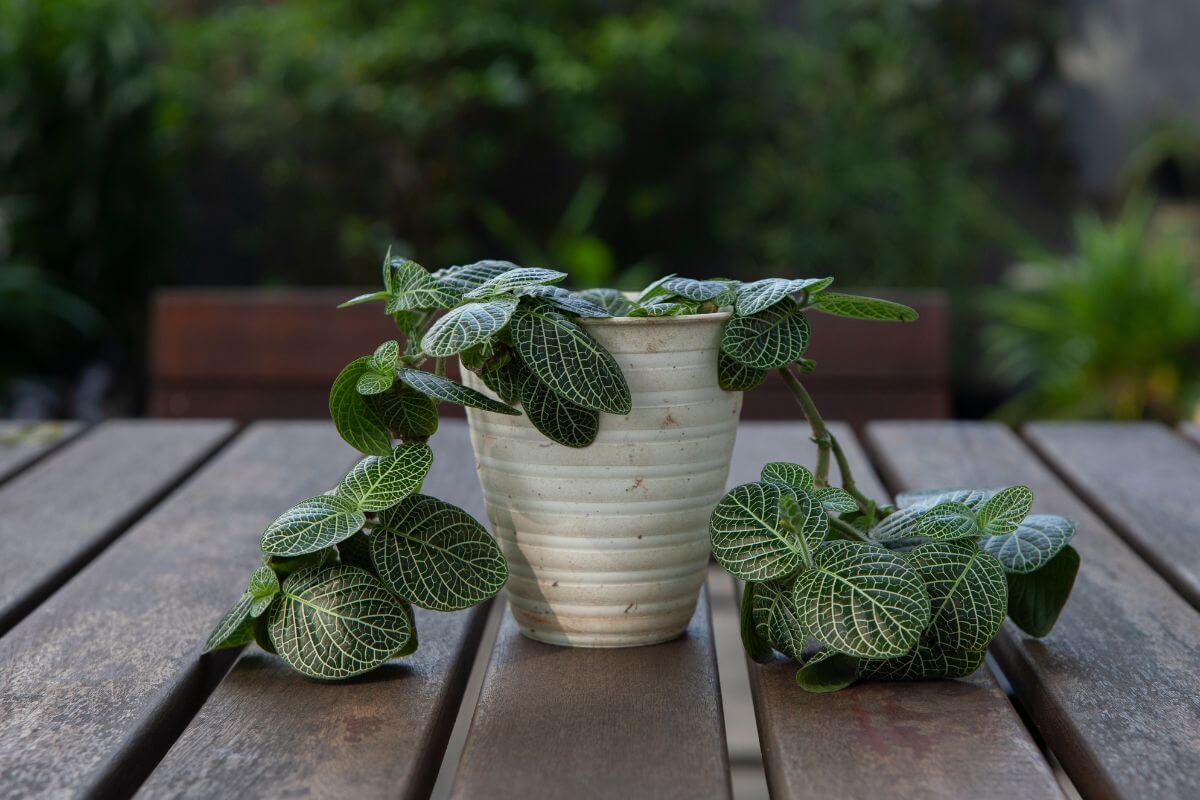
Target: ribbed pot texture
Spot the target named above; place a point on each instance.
(608, 545)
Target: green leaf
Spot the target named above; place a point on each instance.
(655, 289)
(967, 591)
(1036, 599)
(774, 337)
(566, 359)
(785, 630)
(374, 383)
(789, 476)
(699, 291)
(440, 388)
(468, 276)
(827, 671)
(665, 308)
(337, 621)
(1035, 541)
(355, 551)
(613, 301)
(558, 420)
(386, 355)
(506, 380)
(364, 298)
(761, 295)
(928, 498)
(405, 411)
(749, 540)
(379, 482)
(467, 326)
(802, 515)
(355, 419)
(948, 521)
(925, 661)
(836, 500)
(756, 646)
(288, 565)
(261, 629)
(413, 641)
(563, 300)
(313, 525)
(862, 600)
(263, 587)
(735, 377)
(411, 288)
(436, 555)
(870, 308)
(1003, 512)
(235, 628)
(512, 280)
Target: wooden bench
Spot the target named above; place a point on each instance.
(122, 546)
(254, 354)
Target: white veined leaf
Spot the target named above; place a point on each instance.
(692, 289)
(948, 521)
(925, 661)
(665, 308)
(436, 555)
(379, 482)
(571, 363)
(967, 590)
(862, 600)
(374, 382)
(735, 377)
(1003, 512)
(836, 500)
(337, 621)
(514, 279)
(235, 628)
(761, 601)
(555, 418)
(467, 326)
(466, 277)
(386, 354)
(1035, 541)
(441, 388)
(757, 647)
(414, 289)
(827, 671)
(611, 300)
(902, 524)
(370, 297)
(354, 417)
(762, 294)
(790, 476)
(749, 540)
(506, 380)
(774, 337)
(654, 289)
(406, 411)
(802, 515)
(857, 307)
(263, 587)
(563, 300)
(313, 525)
(785, 631)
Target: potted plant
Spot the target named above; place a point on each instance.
(600, 493)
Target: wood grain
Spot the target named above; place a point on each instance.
(59, 513)
(23, 443)
(96, 683)
(268, 732)
(1114, 689)
(559, 722)
(882, 740)
(1143, 480)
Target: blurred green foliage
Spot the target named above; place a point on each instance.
(704, 136)
(1112, 331)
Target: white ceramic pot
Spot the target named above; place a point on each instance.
(608, 545)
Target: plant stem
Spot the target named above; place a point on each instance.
(820, 433)
(847, 528)
(439, 367)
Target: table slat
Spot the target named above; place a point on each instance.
(573, 722)
(881, 740)
(268, 732)
(96, 682)
(1142, 479)
(58, 514)
(1115, 688)
(22, 443)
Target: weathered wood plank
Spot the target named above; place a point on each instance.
(572, 722)
(881, 740)
(57, 515)
(1142, 479)
(1191, 430)
(23, 443)
(1114, 689)
(96, 683)
(268, 732)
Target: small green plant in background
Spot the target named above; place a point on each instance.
(1111, 331)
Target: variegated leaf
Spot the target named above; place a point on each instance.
(946, 522)
(756, 646)
(654, 290)
(762, 294)
(790, 476)
(735, 377)
(506, 380)
(263, 587)
(467, 326)
(862, 600)
(665, 308)
(827, 671)
(466, 277)
(611, 300)
(836, 500)
(928, 498)
(566, 359)
(405, 411)
(748, 538)
(774, 337)
(1003, 512)
(411, 288)
(801, 514)
(337, 621)
(441, 388)
(1035, 541)
(235, 629)
(313, 525)
(1036, 599)
(379, 482)
(869, 308)
(436, 555)
(354, 417)
(924, 662)
(558, 420)
(512, 280)
(563, 300)
(692, 289)
(967, 590)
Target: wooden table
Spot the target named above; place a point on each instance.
(121, 545)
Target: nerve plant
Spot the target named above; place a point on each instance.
(342, 570)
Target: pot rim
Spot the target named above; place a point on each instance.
(688, 319)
